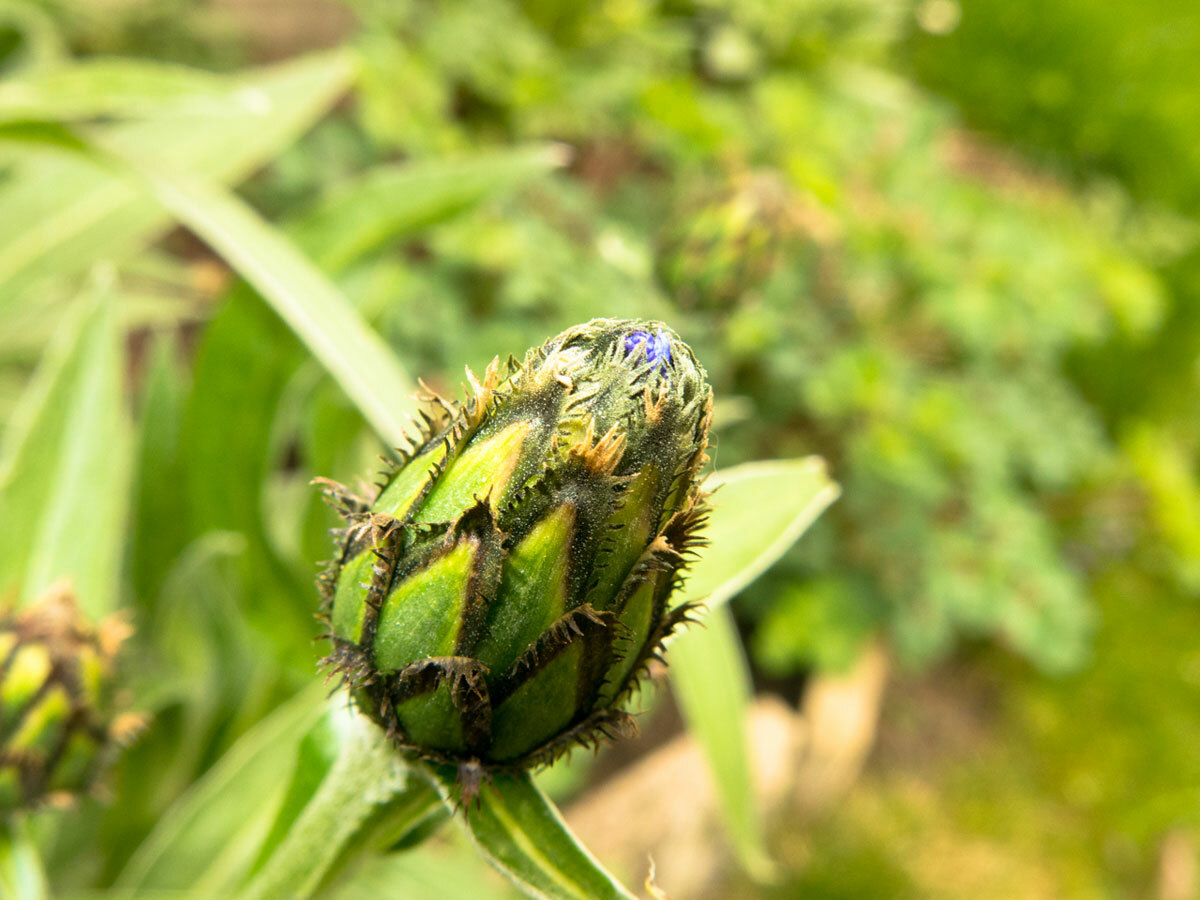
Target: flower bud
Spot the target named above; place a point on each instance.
(719, 251)
(57, 728)
(497, 600)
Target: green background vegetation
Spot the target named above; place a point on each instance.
(950, 249)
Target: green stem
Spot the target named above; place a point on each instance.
(368, 772)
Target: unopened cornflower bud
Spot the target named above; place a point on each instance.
(496, 601)
(723, 249)
(58, 727)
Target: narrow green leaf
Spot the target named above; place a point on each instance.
(315, 757)
(61, 212)
(12, 385)
(65, 465)
(158, 534)
(210, 835)
(18, 137)
(96, 87)
(521, 833)
(226, 452)
(156, 292)
(299, 292)
(433, 874)
(759, 510)
(391, 200)
(199, 615)
(711, 680)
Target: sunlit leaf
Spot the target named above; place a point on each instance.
(199, 615)
(711, 681)
(65, 465)
(299, 292)
(22, 876)
(759, 510)
(398, 199)
(521, 833)
(315, 757)
(61, 212)
(97, 87)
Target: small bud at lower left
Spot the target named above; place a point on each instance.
(58, 723)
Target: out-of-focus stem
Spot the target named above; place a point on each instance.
(367, 773)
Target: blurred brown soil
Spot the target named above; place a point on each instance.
(662, 804)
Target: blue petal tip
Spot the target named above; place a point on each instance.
(657, 346)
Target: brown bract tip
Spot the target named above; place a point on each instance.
(600, 456)
(653, 406)
(472, 775)
(480, 393)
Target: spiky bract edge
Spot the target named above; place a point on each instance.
(663, 561)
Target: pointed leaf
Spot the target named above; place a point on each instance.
(711, 680)
(158, 532)
(65, 465)
(61, 212)
(227, 449)
(521, 833)
(96, 87)
(299, 292)
(315, 758)
(759, 510)
(391, 200)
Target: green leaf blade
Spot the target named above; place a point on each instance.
(389, 201)
(62, 212)
(298, 291)
(96, 87)
(65, 466)
(711, 681)
(520, 832)
(759, 510)
(193, 845)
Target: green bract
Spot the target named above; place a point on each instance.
(496, 601)
(56, 722)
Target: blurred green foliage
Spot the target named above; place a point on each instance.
(866, 281)
(1106, 93)
(997, 360)
(1104, 87)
